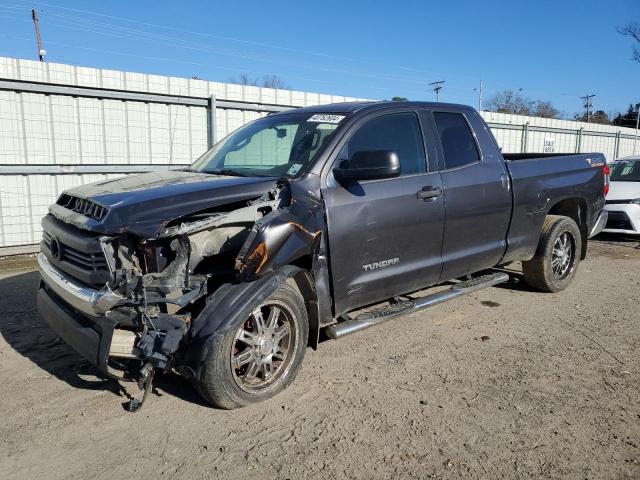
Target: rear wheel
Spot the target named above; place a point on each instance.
(556, 260)
(260, 355)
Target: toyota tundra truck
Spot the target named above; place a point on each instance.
(310, 223)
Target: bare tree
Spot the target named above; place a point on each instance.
(268, 81)
(274, 81)
(513, 102)
(632, 30)
(244, 79)
(509, 101)
(545, 110)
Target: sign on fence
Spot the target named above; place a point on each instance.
(549, 145)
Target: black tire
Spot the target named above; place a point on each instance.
(224, 386)
(547, 270)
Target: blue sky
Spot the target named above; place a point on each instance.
(552, 50)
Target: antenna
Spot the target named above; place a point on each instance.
(437, 86)
(588, 104)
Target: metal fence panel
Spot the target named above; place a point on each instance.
(509, 139)
(627, 147)
(59, 123)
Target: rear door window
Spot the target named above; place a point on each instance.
(459, 147)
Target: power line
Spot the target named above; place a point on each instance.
(121, 31)
(232, 39)
(186, 62)
(173, 40)
(89, 21)
(156, 39)
(124, 32)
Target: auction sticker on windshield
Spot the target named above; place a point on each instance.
(324, 118)
(295, 168)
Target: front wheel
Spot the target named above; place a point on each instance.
(260, 355)
(556, 260)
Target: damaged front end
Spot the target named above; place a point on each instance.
(161, 282)
(151, 311)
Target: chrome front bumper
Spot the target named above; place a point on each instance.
(87, 300)
(600, 223)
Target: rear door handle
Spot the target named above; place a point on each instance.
(429, 192)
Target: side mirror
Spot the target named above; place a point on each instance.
(368, 165)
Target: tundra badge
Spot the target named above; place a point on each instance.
(380, 264)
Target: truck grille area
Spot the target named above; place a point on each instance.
(74, 251)
(83, 206)
(88, 261)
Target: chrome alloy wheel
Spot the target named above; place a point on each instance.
(263, 347)
(563, 255)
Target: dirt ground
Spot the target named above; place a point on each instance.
(504, 383)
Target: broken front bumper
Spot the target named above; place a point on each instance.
(82, 317)
(90, 337)
(85, 299)
(75, 313)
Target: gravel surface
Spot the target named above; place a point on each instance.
(503, 383)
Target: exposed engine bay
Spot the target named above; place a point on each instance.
(161, 277)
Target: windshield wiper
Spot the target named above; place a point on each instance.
(225, 171)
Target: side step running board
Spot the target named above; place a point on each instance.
(376, 317)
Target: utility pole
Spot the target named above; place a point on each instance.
(479, 90)
(635, 139)
(587, 104)
(41, 51)
(437, 86)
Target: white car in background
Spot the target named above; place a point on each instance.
(623, 199)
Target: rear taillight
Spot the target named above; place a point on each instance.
(606, 171)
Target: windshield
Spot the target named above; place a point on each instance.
(279, 146)
(626, 171)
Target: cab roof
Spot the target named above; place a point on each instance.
(353, 107)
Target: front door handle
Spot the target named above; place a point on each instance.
(505, 181)
(429, 192)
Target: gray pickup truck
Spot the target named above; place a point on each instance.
(314, 222)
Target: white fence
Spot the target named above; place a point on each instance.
(519, 133)
(62, 126)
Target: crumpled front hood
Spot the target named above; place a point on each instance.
(142, 204)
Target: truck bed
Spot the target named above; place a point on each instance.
(529, 156)
(540, 183)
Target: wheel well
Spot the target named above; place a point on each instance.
(576, 209)
(303, 281)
